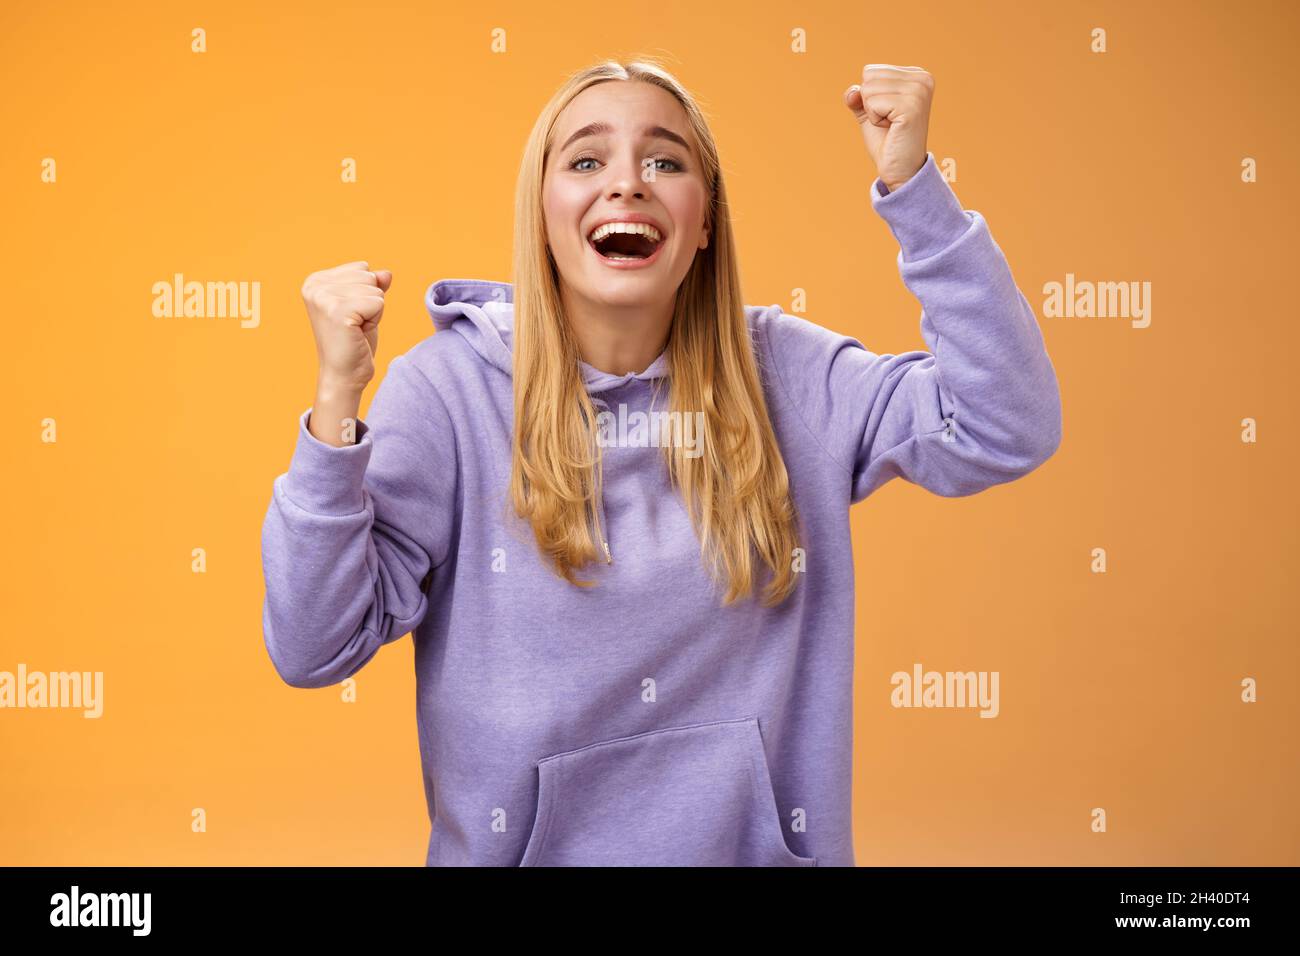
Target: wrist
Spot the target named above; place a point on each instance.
(893, 185)
(329, 388)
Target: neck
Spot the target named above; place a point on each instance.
(618, 339)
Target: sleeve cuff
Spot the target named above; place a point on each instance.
(326, 480)
(924, 213)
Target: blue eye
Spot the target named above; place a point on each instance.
(676, 166)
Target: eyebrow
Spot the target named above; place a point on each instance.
(650, 132)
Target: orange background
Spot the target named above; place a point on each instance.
(1118, 690)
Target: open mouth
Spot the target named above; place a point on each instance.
(625, 241)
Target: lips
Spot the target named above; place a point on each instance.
(621, 237)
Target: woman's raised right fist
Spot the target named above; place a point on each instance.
(345, 305)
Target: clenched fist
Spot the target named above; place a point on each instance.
(892, 105)
(345, 305)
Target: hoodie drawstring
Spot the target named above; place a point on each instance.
(600, 510)
(600, 496)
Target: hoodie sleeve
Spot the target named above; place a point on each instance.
(980, 408)
(353, 535)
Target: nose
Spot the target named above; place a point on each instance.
(625, 180)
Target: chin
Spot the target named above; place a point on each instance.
(626, 290)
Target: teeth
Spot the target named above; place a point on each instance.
(639, 228)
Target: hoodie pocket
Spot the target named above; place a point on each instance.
(695, 795)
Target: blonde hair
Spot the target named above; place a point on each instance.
(738, 491)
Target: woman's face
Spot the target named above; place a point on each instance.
(633, 166)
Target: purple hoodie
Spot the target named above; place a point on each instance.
(638, 722)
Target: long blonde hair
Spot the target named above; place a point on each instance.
(738, 491)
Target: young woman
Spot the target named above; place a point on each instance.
(618, 411)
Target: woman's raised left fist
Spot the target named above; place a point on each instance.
(892, 105)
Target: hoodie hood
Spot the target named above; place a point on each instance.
(482, 310)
